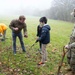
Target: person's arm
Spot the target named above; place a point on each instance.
(72, 45)
(69, 46)
(25, 30)
(37, 30)
(2, 32)
(11, 26)
(43, 35)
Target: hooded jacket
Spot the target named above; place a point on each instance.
(3, 27)
(45, 34)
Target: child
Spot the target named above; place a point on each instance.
(44, 38)
(39, 30)
(3, 29)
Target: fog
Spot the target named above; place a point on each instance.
(28, 7)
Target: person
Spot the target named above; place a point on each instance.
(44, 38)
(16, 26)
(71, 50)
(39, 30)
(3, 29)
(73, 13)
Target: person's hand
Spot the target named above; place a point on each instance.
(26, 36)
(0, 34)
(66, 46)
(16, 29)
(37, 39)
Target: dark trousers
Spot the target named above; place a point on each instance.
(40, 44)
(19, 35)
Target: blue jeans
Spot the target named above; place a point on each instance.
(19, 35)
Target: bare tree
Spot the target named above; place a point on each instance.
(61, 10)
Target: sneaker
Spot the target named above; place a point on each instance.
(14, 53)
(37, 52)
(2, 39)
(24, 51)
(40, 63)
(46, 61)
(40, 52)
(43, 64)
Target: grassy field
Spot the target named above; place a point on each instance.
(26, 63)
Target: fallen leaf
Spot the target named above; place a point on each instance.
(0, 63)
(11, 70)
(63, 64)
(18, 70)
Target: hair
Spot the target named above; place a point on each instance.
(43, 19)
(22, 17)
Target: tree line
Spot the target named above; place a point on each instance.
(59, 10)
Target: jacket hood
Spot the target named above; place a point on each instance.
(47, 26)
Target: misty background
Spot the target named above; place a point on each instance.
(53, 9)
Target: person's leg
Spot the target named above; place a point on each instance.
(69, 60)
(21, 41)
(0, 34)
(40, 50)
(72, 62)
(73, 68)
(4, 35)
(40, 45)
(14, 42)
(44, 53)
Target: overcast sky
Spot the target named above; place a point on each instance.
(13, 5)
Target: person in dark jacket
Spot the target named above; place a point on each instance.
(39, 30)
(44, 38)
(16, 26)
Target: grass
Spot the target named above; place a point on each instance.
(26, 63)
